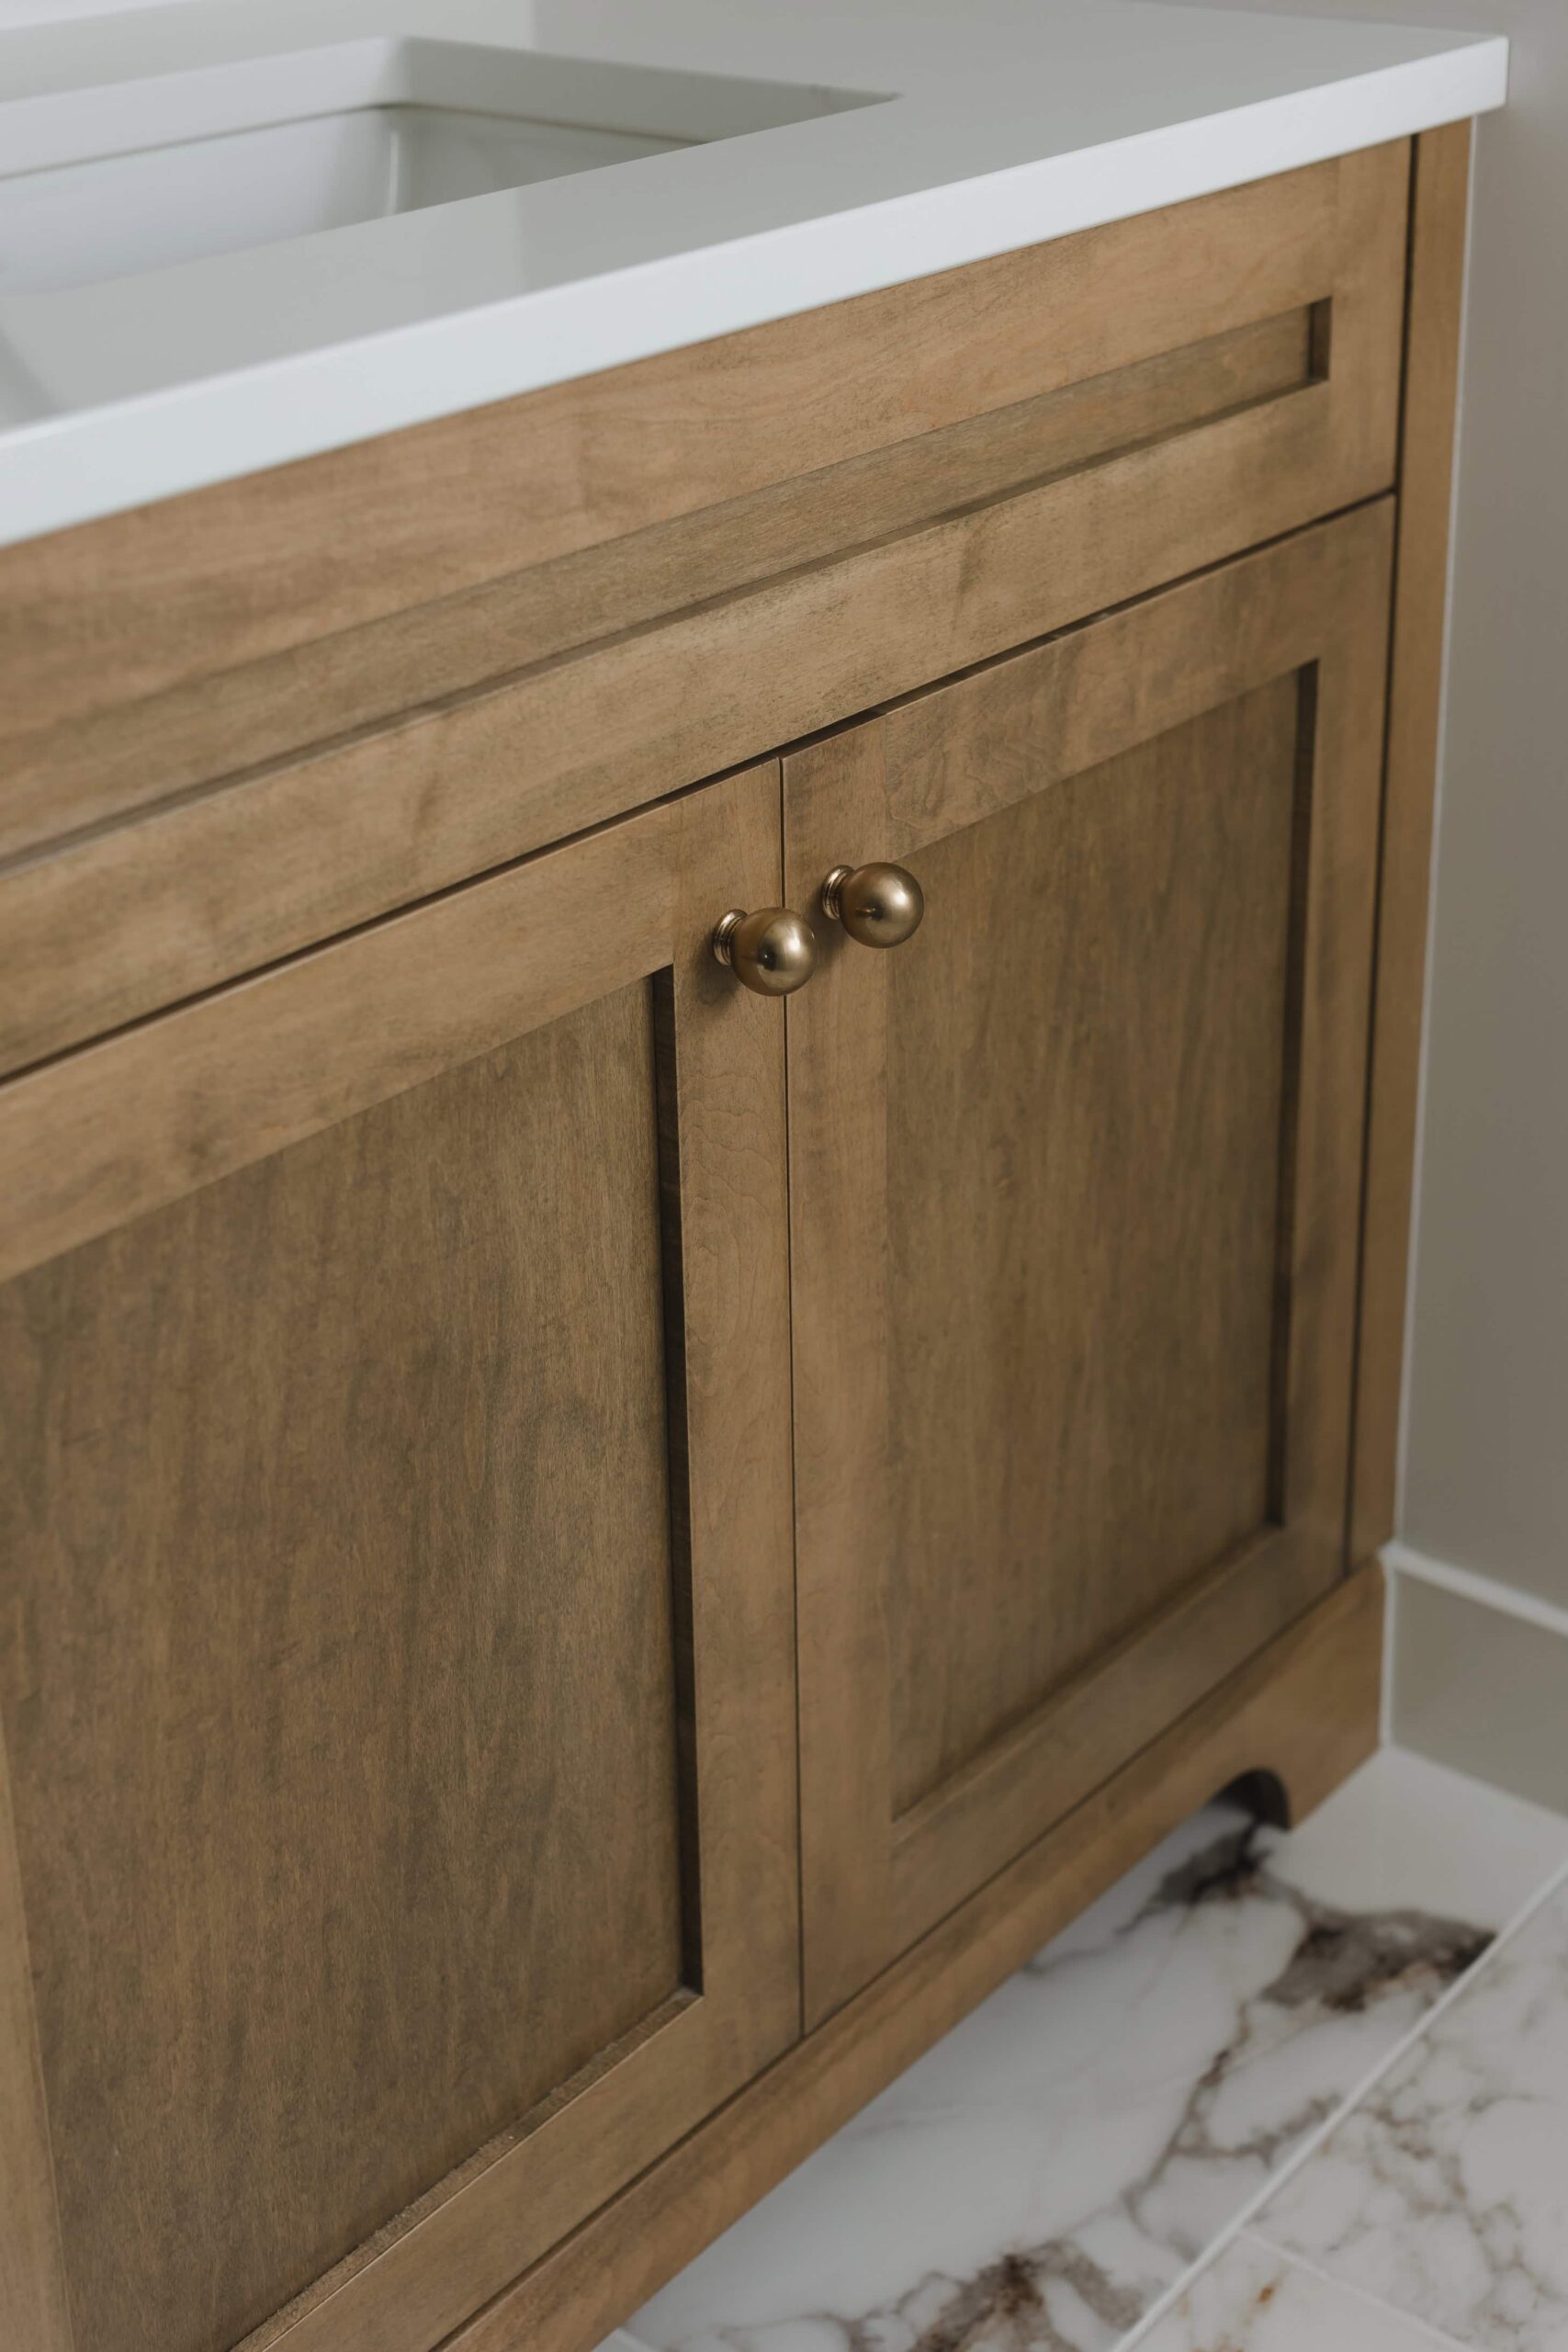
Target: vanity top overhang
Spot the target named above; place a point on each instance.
(766, 160)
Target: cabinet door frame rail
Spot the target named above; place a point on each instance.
(91, 1142)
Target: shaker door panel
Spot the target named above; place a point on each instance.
(1075, 1194)
(371, 1649)
(1080, 1286)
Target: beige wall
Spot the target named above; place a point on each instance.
(1487, 1464)
(1486, 1476)
(1480, 1690)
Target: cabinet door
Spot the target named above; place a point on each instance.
(1074, 1182)
(396, 1609)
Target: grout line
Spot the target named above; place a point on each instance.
(1468, 1584)
(1240, 2221)
(1353, 2294)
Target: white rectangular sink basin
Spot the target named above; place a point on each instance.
(143, 175)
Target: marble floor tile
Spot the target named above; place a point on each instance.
(1254, 2299)
(1047, 2172)
(1446, 2190)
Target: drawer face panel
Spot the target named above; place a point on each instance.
(269, 712)
(1075, 1176)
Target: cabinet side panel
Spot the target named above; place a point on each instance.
(1085, 1070)
(1439, 218)
(337, 1655)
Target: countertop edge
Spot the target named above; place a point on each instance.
(83, 466)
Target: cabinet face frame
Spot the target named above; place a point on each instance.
(1316, 606)
(1435, 310)
(92, 1142)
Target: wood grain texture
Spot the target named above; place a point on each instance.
(1305, 1709)
(1031, 721)
(1158, 964)
(1080, 1321)
(300, 1664)
(1439, 213)
(340, 1677)
(89, 1142)
(34, 2310)
(1052, 1759)
(224, 880)
(91, 766)
(120, 611)
(837, 1036)
(242, 876)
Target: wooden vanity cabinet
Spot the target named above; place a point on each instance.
(587, 1559)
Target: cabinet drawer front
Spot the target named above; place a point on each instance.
(394, 1499)
(746, 544)
(1074, 1191)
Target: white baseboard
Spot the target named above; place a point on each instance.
(1478, 1676)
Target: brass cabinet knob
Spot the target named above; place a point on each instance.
(879, 905)
(772, 952)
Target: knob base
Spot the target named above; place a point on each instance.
(724, 931)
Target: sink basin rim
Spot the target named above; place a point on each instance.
(133, 115)
(154, 173)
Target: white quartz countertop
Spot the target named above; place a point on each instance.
(996, 123)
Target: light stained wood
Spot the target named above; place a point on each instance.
(34, 2314)
(107, 1135)
(1079, 1332)
(1439, 214)
(994, 1806)
(118, 611)
(100, 763)
(1304, 1710)
(389, 1298)
(242, 876)
(341, 1677)
(980, 751)
(959, 755)
(226, 879)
